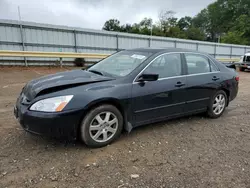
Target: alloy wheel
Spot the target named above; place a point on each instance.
(103, 126)
(219, 104)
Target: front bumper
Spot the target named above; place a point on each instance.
(245, 65)
(63, 125)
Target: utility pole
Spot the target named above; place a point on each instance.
(151, 33)
(21, 32)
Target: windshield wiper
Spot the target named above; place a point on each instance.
(96, 72)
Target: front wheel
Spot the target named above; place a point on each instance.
(217, 104)
(101, 126)
(242, 69)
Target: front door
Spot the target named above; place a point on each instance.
(165, 97)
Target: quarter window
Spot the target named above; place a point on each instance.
(198, 64)
(168, 65)
(213, 67)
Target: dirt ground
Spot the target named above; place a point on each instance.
(188, 152)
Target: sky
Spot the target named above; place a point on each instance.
(93, 13)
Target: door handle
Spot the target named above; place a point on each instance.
(215, 78)
(179, 84)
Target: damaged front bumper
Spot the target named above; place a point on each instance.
(56, 125)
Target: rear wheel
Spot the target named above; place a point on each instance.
(217, 104)
(101, 126)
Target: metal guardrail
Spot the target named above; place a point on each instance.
(228, 59)
(61, 55)
(5, 53)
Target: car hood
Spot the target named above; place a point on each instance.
(60, 81)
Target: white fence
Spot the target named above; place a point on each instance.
(29, 36)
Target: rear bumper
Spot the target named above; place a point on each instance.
(234, 91)
(63, 125)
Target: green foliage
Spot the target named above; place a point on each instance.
(126, 28)
(242, 25)
(234, 38)
(136, 28)
(145, 26)
(225, 19)
(112, 25)
(195, 34)
(240, 32)
(185, 23)
(176, 32)
(167, 20)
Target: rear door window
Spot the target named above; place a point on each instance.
(197, 64)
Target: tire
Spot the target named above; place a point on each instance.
(242, 69)
(211, 112)
(97, 130)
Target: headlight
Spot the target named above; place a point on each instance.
(55, 104)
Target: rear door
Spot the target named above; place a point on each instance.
(203, 78)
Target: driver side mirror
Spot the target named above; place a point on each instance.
(148, 77)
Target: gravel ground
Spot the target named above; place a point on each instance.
(188, 152)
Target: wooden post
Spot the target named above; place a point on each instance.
(75, 41)
(61, 62)
(215, 51)
(117, 43)
(231, 51)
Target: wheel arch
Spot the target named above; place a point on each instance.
(227, 93)
(110, 101)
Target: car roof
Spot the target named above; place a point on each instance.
(163, 50)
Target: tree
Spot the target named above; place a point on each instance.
(176, 32)
(112, 25)
(228, 19)
(126, 28)
(184, 23)
(220, 17)
(234, 38)
(194, 33)
(209, 21)
(242, 26)
(135, 28)
(146, 23)
(201, 20)
(167, 20)
(240, 32)
(157, 31)
(145, 26)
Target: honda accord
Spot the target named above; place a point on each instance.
(125, 90)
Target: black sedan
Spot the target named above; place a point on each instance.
(128, 89)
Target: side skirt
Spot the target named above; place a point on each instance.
(169, 117)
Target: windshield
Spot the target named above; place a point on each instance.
(120, 64)
(246, 58)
